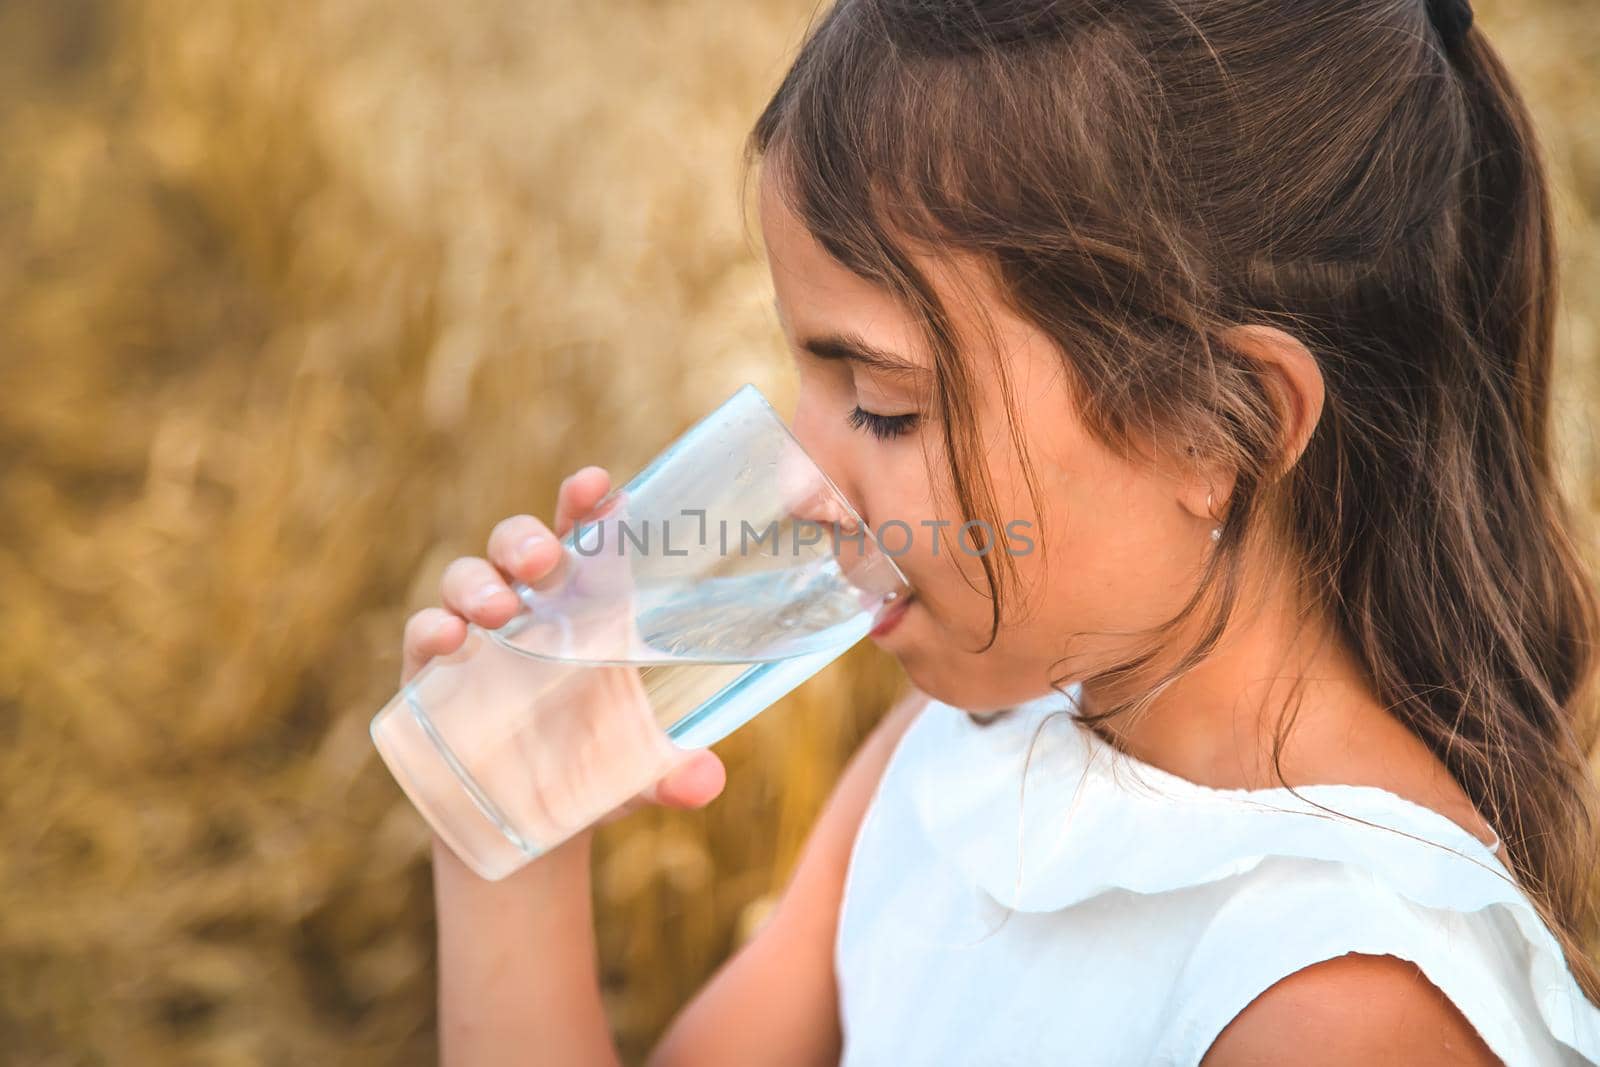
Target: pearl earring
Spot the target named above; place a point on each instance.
(1216, 531)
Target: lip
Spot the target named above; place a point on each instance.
(891, 614)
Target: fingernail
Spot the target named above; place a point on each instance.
(487, 593)
(529, 546)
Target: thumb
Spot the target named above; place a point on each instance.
(694, 783)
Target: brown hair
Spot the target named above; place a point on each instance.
(1140, 177)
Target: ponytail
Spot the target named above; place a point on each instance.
(1539, 788)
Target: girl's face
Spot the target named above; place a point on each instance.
(1115, 547)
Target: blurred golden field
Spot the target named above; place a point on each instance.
(296, 300)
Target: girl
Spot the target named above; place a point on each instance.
(1271, 749)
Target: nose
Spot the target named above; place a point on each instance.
(804, 474)
(806, 493)
(805, 477)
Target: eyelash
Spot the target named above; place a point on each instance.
(883, 427)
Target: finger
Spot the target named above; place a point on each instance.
(580, 491)
(692, 784)
(523, 548)
(473, 589)
(430, 632)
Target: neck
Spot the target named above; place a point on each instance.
(1216, 725)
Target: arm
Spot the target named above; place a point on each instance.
(775, 1001)
(1353, 1009)
(517, 972)
(517, 980)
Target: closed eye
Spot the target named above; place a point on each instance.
(883, 427)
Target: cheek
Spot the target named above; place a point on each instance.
(951, 587)
(1121, 552)
(920, 536)
(919, 525)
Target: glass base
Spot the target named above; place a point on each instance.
(442, 791)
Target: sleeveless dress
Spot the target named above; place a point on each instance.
(1021, 892)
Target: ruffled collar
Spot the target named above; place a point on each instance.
(1040, 813)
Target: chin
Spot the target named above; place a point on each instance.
(944, 681)
(935, 664)
(959, 681)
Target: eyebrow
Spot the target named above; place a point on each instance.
(851, 347)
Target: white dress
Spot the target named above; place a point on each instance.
(1144, 911)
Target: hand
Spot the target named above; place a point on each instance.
(477, 590)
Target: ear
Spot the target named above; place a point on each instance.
(1292, 379)
(1293, 382)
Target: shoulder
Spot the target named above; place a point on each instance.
(1353, 1008)
(1347, 937)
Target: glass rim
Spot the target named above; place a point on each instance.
(838, 494)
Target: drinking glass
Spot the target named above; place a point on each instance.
(720, 577)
